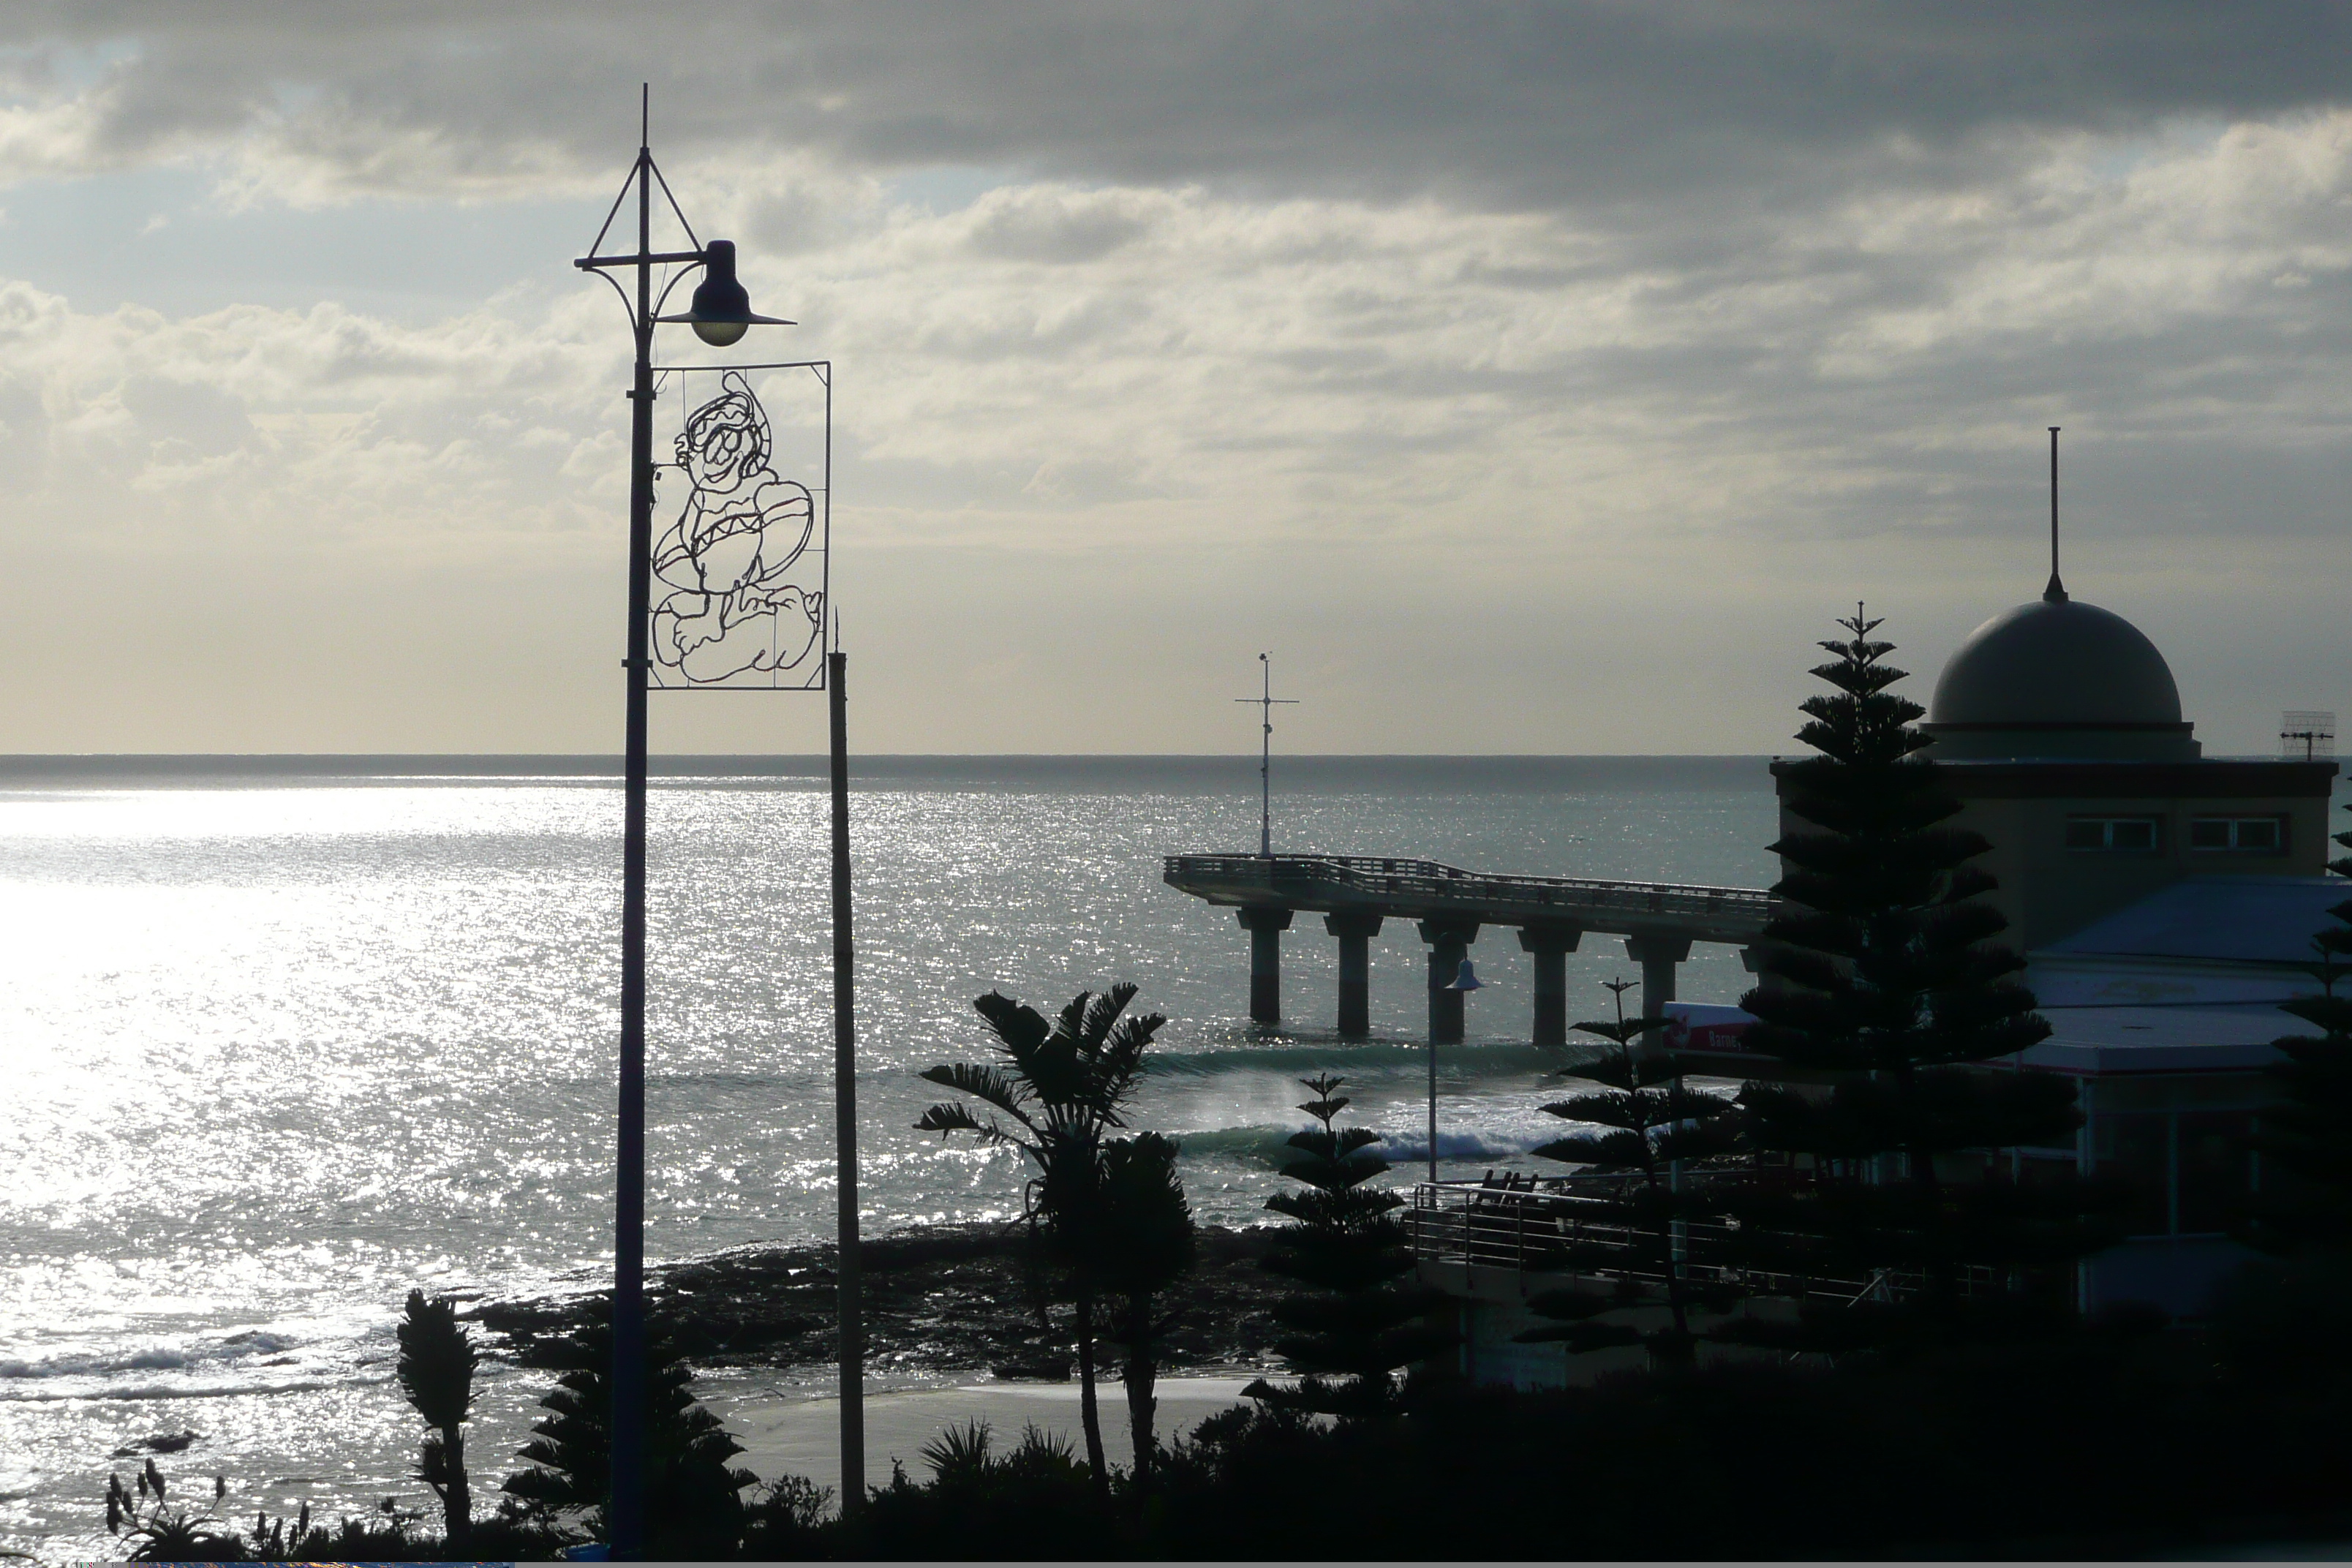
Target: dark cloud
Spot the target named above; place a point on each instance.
(1517, 104)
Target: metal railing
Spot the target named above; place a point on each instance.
(1557, 1227)
(1424, 883)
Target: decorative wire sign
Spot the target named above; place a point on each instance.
(742, 545)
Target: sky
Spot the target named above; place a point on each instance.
(1524, 378)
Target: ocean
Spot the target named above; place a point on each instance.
(284, 1039)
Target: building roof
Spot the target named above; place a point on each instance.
(2162, 1039)
(2056, 661)
(2215, 920)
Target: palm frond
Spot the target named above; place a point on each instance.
(954, 1116)
(1017, 1023)
(990, 1086)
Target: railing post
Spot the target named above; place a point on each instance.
(1519, 1243)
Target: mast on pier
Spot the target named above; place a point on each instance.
(1267, 702)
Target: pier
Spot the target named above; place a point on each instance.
(1449, 907)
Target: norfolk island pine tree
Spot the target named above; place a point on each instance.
(1356, 1326)
(2283, 1320)
(2307, 1137)
(1650, 1121)
(1884, 977)
(694, 1505)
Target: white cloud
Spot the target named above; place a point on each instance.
(1468, 422)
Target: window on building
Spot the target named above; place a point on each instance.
(2123, 833)
(2245, 834)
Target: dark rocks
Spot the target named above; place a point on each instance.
(943, 1298)
(1044, 1369)
(162, 1443)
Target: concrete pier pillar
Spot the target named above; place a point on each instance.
(1550, 946)
(1265, 925)
(1657, 955)
(1355, 932)
(1449, 942)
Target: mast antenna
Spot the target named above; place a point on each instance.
(2056, 592)
(1267, 702)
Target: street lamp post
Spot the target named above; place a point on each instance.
(719, 313)
(1466, 979)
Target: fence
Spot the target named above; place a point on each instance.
(1531, 1229)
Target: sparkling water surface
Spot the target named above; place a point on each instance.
(279, 1049)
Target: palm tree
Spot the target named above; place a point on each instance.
(1145, 1246)
(1061, 1089)
(436, 1377)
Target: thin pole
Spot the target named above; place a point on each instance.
(845, 1114)
(1266, 702)
(2056, 590)
(627, 1516)
(1433, 1094)
(1266, 760)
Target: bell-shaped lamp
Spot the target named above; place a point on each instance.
(1467, 980)
(720, 310)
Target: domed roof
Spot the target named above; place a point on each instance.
(2057, 663)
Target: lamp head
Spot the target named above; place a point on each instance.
(1467, 980)
(721, 308)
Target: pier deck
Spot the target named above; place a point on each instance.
(1422, 890)
(1357, 893)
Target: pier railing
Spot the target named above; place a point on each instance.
(1473, 1225)
(1328, 882)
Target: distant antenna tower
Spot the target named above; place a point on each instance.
(2310, 730)
(2056, 591)
(1267, 702)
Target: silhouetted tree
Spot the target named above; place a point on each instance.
(694, 1505)
(2307, 1138)
(1650, 1121)
(1034, 1501)
(1884, 977)
(436, 1377)
(1356, 1327)
(1142, 1244)
(1064, 1088)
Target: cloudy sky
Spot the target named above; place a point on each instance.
(1527, 378)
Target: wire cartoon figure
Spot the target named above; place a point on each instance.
(744, 598)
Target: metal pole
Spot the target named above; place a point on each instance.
(627, 1516)
(1433, 1096)
(2054, 500)
(2056, 591)
(1265, 760)
(844, 1116)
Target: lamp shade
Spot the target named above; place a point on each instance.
(721, 308)
(1467, 980)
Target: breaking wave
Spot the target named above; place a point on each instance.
(1297, 1058)
(1267, 1143)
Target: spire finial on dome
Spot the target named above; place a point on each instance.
(2055, 594)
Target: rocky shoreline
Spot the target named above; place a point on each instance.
(941, 1298)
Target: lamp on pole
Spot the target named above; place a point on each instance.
(720, 312)
(1466, 979)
